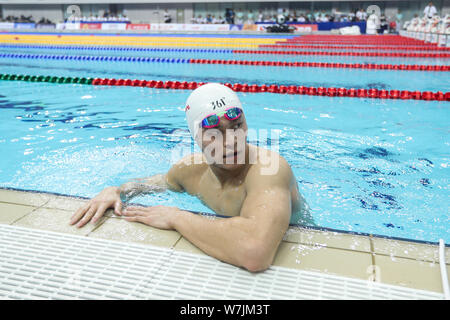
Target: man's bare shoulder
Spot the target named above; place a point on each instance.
(188, 167)
(269, 168)
(193, 161)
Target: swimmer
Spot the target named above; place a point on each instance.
(230, 176)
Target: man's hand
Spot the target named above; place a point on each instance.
(96, 207)
(161, 217)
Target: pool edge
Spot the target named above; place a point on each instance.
(362, 256)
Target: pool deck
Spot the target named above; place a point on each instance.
(388, 261)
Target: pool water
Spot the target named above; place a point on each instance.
(366, 165)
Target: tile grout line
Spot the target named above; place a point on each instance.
(27, 214)
(98, 225)
(372, 257)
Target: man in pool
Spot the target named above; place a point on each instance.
(230, 176)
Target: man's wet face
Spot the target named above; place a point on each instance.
(224, 146)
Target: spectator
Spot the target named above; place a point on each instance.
(291, 18)
(167, 17)
(229, 16)
(239, 17)
(308, 17)
(398, 21)
(383, 24)
(359, 15)
(260, 16)
(200, 19)
(392, 26)
(208, 19)
(301, 18)
(250, 17)
(364, 14)
(430, 10)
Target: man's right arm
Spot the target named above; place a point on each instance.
(114, 197)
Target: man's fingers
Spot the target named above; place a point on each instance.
(118, 207)
(99, 213)
(87, 216)
(79, 213)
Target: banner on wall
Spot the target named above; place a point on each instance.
(206, 27)
(114, 26)
(46, 26)
(24, 25)
(305, 27)
(188, 27)
(138, 26)
(68, 26)
(6, 25)
(91, 26)
(236, 27)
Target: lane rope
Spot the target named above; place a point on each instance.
(291, 52)
(368, 66)
(252, 88)
(353, 53)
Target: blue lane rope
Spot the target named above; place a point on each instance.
(93, 58)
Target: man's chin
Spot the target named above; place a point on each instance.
(229, 166)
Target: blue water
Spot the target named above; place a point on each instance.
(373, 166)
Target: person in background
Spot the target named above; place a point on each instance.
(308, 17)
(274, 18)
(398, 20)
(392, 26)
(383, 24)
(250, 17)
(229, 16)
(291, 18)
(352, 16)
(430, 10)
(260, 16)
(167, 17)
(286, 14)
(364, 14)
(199, 19)
(208, 19)
(239, 17)
(359, 16)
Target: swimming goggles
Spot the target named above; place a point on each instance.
(213, 120)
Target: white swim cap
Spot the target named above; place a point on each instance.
(208, 99)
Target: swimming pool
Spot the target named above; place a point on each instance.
(366, 165)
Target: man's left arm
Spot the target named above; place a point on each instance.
(250, 240)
